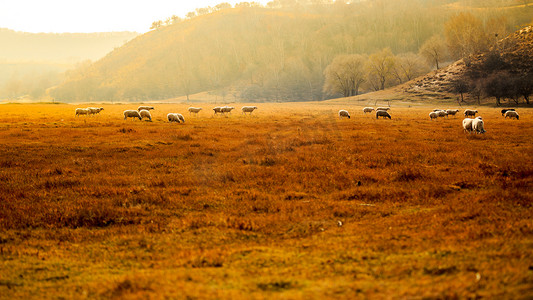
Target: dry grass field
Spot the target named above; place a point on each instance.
(249, 207)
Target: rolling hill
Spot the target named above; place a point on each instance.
(62, 48)
(261, 54)
(32, 62)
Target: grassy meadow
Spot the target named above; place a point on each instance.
(289, 203)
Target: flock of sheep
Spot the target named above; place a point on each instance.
(436, 113)
(227, 109)
(143, 112)
(88, 111)
(380, 112)
(475, 124)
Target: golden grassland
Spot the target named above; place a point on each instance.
(249, 206)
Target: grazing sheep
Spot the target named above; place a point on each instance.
(227, 109)
(343, 113)
(478, 125)
(512, 114)
(382, 108)
(145, 114)
(94, 110)
(467, 125)
(368, 109)
(506, 110)
(82, 111)
(248, 109)
(145, 108)
(172, 117)
(433, 115)
(470, 112)
(217, 110)
(132, 114)
(382, 113)
(175, 117)
(195, 110)
(442, 113)
(452, 112)
(436, 110)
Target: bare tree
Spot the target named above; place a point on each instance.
(408, 66)
(381, 65)
(223, 5)
(498, 86)
(460, 86)
(434, 51)
(523, 86)
(344, 75)
(156, 25)
(465, 35)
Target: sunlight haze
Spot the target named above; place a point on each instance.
(280, 149)
(93, 16)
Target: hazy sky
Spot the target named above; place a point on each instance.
(94, 15)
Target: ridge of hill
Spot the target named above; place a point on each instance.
(62, 48)
(30, 63)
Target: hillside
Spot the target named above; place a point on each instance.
(58, 47)
(30, 63)
(262, 54)
(516, 51)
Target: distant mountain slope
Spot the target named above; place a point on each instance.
(58, 48)
(258, 54)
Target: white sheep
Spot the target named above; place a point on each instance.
(478, 125)
(217, 110)
(248, 109)
(172, 117)
(145, 114)
(438, 109)
(145, 108)
(82, 111)
(132, 114)
(452, 112)
(506, 110)
(470, 112)
(227, 109)
(442, 113)
(368, 109)
(382, 108)
(467, 125)
(433, 115)
(94, 110)
(195, 110)
(382, 113)
(344, 113)
(512, 114)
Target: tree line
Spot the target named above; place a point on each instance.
(492, 76)
(348, 74)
